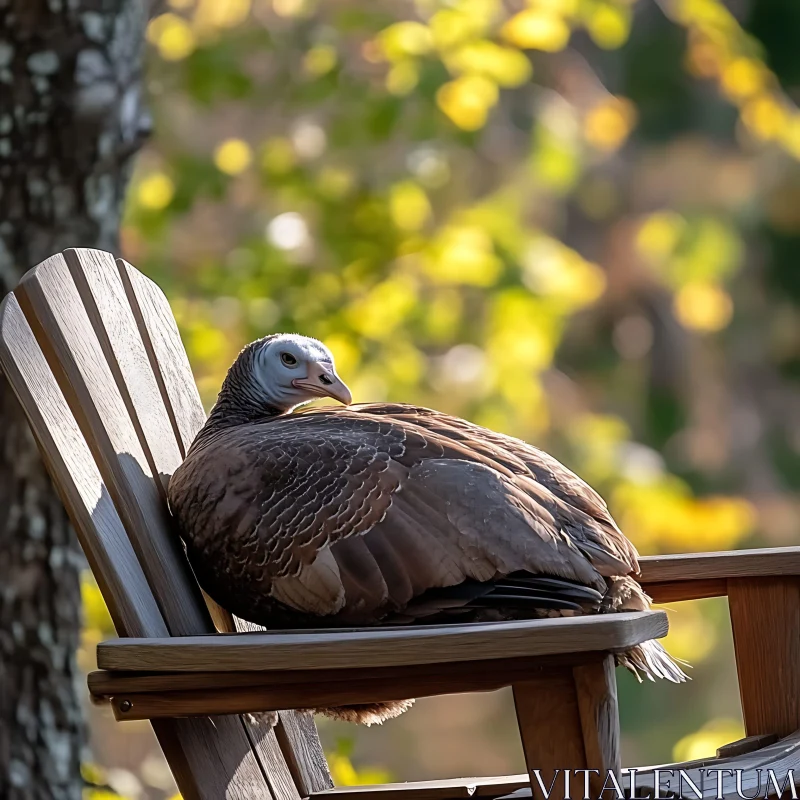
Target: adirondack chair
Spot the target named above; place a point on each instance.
(93, 353)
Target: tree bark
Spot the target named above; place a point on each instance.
(71, 118)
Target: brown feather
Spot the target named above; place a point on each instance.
(389, 512)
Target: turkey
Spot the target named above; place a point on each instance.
(384, 513)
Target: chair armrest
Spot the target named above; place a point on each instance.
(250, 672)
(381, 647)
(691, 576)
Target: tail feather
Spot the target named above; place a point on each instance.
(653, 661)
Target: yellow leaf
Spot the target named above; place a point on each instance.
(467, 100)
(319, 60)
(743, 77)
(608, 124)
(405, 39)
(463, 254)
(172, 36)
(155, 191)
(408, 206)
(703, 307)
(659, 234)
(609, 25)
(765, 117)
(233, 156)
(217, 14)
(402, 78)
(289, 8)
(506, 66)
(539, 29)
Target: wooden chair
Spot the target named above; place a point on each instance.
(94, 355)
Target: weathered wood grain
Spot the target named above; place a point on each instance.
(765, 562)
(549, 722)
(596, 688)
(381, 647)
(765, 618)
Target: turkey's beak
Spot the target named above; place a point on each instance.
(323, 381)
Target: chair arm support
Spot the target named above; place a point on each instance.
(691, 576)
(382, 647)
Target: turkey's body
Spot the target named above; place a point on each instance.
(390, 514)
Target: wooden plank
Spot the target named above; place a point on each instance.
(182, 410)
(53, 307)
(596, 687)
(69, 462)
(210, 758)
(676, 591)
(448, 789)
(550, 728)
(302, 749)
(105, 683)
(762, 562)
(100, 288)
(747, 745)
(765, 617)
(180, 694)
(168, 359)
(382, 647)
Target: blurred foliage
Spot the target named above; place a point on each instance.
(574, 221)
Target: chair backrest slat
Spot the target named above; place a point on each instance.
(55, 311)
(100, 531)
(93, 352)
(170, 364)
(100, 287)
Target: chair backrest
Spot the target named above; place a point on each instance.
(93, 352)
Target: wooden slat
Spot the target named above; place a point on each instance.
(181, 410)
(763, 562)
(210, 758)
(382, 647)
(596, 687)
(676, 591)
(168, 359)
(100, 288)
(182, 694)
(442, 677)
(75, 475)
(302, 749)
(550, 728)
(53, 307)
(747, 745)
(449, 789)
(765, 618)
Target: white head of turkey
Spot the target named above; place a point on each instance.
(275, 375)
(388, 513)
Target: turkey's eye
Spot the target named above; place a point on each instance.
(289, 359)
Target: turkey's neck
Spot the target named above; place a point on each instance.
(241, 400)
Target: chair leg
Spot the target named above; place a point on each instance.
(568, 720)
(765, 618)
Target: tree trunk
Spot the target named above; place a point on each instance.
(71, 118)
